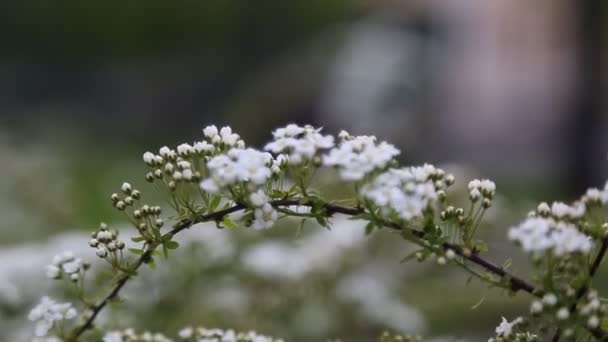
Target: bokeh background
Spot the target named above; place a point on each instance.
(511, 90)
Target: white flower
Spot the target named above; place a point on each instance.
(406, 192)
(149, 158)
(550, 299)
(72, 266)
(538, 235)
(593, 322)
(264, 217)
(130, 335)
(543, 209)
(536, 307)
(561, 210)
(48, 312)
(203, 147)
(126, 187)
(299, 143)
(504, 329)
(227, 137)
(185, 150)
(64, 262)
(359, 156)
(563, 314)
(210, 131)
(186, 333)
(484, 187)
(258, 198)
(238, 165)
(53, 272)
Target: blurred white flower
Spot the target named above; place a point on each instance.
(358, 156)
(299, 143)
(48, 312)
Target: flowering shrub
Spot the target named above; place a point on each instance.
(215, 179)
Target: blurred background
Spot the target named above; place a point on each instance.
(511, 90)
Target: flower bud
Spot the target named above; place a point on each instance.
(120, 245)
(126, 188)
(136, 194)
(449, 179)
(120, 205)
(101, 252)
(450, 254)
(93, 243)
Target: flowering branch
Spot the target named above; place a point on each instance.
(597, 261)
(211, 179)
(515, 283)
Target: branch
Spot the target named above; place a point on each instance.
(583, 289)
(515, 283)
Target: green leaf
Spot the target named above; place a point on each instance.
(214, 203)
(171, 244)
(136, 251)
(152, 264)
(227, 221)
(138, 239)
(165, 252)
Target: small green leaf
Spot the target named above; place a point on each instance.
(481, 300)
(214, 203)
(227, 221)
(138, 239)
(152, 264)
(171, 244)
(136, 251)
(165, 252)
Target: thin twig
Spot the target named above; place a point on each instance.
(515, 283)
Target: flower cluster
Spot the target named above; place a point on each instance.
(219, 335)
(238, 165)
(49, 313)
(561, 211)
(223, 138)
(356, 157)
(592, 309)
(106, 242)
(406, 192)
(299, 143)
(129, 335)
(538, 235)
(66, 264)
(264, 214)
(131, 195)
(482, 189)
(148, 221)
